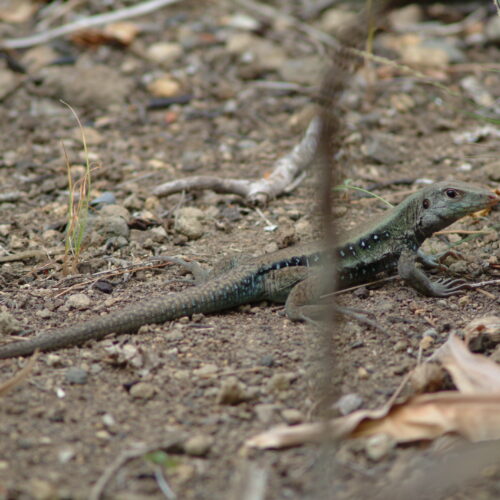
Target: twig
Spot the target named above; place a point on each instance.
(30, 254)
(122, 459)
(270, 226)
(350, 289)
(259, 192)
(163, 485)
(451, 29)
(483, 283)
(86, 22)
(19, 377)
(117, 272)
(461, 231)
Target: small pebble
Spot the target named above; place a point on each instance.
(189, 222)
(78, 301)
(400, 346)
(199, 445)
(464, 300)
(65, 454)
(280, 382)
(265, 412)
(292, 416)
(361, 292)
(232, 392)
(54, 360)
(8, 324)
(379, 446)
(459, 267)
(142, 390)
(75, 375)
(266, 360)
(205, 370)
(426, 342)
(349, 403)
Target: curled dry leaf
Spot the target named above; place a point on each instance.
(475, 417)
(471, 373)
(427, 377)
(473, 412)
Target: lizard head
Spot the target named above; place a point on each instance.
(442, 203)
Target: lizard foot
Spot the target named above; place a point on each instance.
(200, 274)
(444, 287)
(436, 261)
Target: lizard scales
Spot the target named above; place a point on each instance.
(386, 243)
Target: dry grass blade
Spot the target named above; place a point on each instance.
(19, 376)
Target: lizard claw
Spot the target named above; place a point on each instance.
(444, 287)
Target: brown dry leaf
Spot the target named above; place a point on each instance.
(427, 377)
(283, 436)
(473, 416)
(424, 417)
(471, 373)
(19, 376)
(121, 34)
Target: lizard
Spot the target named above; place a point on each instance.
(389, 243)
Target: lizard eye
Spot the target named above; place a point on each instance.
(451, 193)
(426, 203)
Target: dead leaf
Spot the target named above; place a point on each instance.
(117, 34)
(427, 377)
(471, 373)
(473, 416)
(476, 417)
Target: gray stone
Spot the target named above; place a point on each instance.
(188, 221)
(78, 301)
(349, 403)
(8, 324)
(379, 446)
(232, 392)
(199, 445)
(111, 226)
(142, 390)
(75, 375)
(292, 416)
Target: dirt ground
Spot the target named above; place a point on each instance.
(197, 388)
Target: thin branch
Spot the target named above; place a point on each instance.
(286, 170)
(122, 459)
(18, 377)
(85, 23)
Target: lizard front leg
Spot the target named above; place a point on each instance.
(417, 279)
(436, 261)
